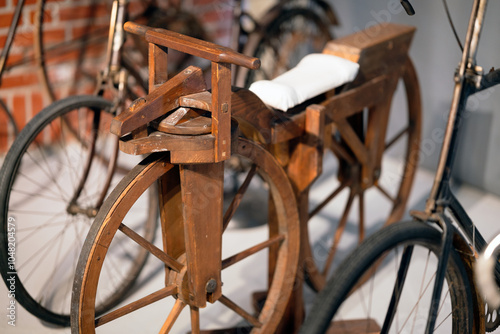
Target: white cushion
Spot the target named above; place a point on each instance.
(315, 74)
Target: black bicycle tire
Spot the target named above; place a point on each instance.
(7, 175)
(272, 31)
(354, 266)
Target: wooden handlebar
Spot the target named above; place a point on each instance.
(192, 46)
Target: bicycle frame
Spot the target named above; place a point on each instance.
(115, 76)
(469, 79)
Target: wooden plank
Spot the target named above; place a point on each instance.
(201, 100)
(160, 101)
(348, 103)
(221, 110)
(354, 327)
(202, 193)
(158, 65)
(192, 46)
(162, 142)
(379, 49)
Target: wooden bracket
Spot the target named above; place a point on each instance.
(307, 158)
(163, 99)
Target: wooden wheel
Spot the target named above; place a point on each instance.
(359, 187)
(276, 240)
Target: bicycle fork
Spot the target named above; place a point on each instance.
(197, 215)
(446, 244)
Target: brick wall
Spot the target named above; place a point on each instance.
(74, 72)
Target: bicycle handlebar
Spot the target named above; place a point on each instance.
(192, 46)
(408, 7)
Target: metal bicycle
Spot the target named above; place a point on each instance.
(417, 276)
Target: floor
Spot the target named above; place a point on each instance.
(482, 207)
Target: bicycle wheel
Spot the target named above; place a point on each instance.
(243, 250)
(340, 221)
(358, 296)
(295, 33)
(51, 183)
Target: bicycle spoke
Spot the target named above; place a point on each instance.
(41, 255)
(238, 197)
(136, 305)
(250, 251)
(385, 193)
(328, 199)
(241, 312)
(398, 287)
(341, 152)
(34, 195)
(422, 286)
(338, 233)
(174, 314)
(396, 138)
(162, 256)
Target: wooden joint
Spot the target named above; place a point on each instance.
(307, 158)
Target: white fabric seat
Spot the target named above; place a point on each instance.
(315, 74)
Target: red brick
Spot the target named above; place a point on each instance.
(83, 12)
(14, 59)
(47, 15)
(4, 132)
(97, 31)
(19, 80)
(36, 103)
(53, 37)
(5, 20)
(3, 3)
(26, 2)
(19, 110)
(216, 16)
(23, 39)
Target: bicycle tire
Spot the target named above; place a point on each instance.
(37, 177)
(343, 287)
(278, 282)
(294, 33)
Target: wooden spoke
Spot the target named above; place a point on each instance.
(239, 196)
(250, 251)
(328, 199)
(385, 193)
(195, 320)
(341, 152)
(241, 312)
(134, 306)
(361, 217)
(162, 256)
(174, 314)
(397, 137)
(338, 234)
(353, 141)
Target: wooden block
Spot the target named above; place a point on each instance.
(354, 327)
(378, 49)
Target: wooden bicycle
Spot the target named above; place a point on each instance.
(190, 132)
